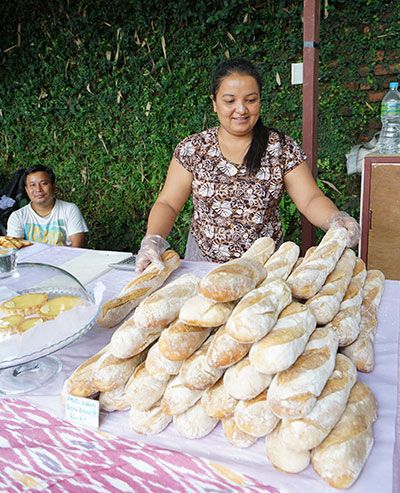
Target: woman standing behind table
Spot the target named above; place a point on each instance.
(237, 174)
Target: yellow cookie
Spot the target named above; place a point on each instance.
(11, 322)
(60, 304)
(28, 323)
(24, 304)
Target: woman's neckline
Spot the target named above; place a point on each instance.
(223, 156)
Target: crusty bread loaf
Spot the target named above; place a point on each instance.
(194, 423)
(143, 390)
(203, 312)
(285, 342)
(281, 263)
(346, 322)
(114, 400)
(361, 351)
(217, 402)
(232, 280)
(80, 382)
(310, 275)
(157, 364)
(131, 339)
(150, 421)
(308, 432)
(340, 458)
(255, 416)
(110, 372)
(293, 392)
(261, 250)
(163, 307)
(112, 312)
(282, 457)
(196, 373)
(178, 398)
(243, 381)
(179, 340)
(224, 351)
(256, 313)
(326, 303)
(235, 435)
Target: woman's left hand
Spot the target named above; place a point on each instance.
(341, 219)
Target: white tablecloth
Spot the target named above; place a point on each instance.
(378, 472)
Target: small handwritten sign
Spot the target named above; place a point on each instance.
(82, 411)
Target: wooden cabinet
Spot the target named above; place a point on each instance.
(380, 214)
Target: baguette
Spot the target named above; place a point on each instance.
(150, 421)
(310, 275)
(179, 340)
(224, 351)
(162, 307)
(235, 435)
(115, 310)
(308, 432)
(257, 312)
(232, 280)
(114, 400)
(346, 322)
(157, 364)
(279, 349)
(110, 372)
(178, 398)
(281, 263)
(255, 416)
(361, 351)
(194, 423)
(217, 403)
(326, 303)
(203, 312)
(284, 458)
(80, 382)
(293, 392)
(261, 250)
(196, 373)
(143, 390)
(243, 381)
(339, 459)
(130, 339)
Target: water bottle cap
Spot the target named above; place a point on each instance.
(394, 85)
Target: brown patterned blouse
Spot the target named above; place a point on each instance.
(231, 208)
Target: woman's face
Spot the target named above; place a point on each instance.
(237, 104)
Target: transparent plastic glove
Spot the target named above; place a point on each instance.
(151, 249)
(341, 219)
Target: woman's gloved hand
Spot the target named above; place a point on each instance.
(151, 249)
(341, 219)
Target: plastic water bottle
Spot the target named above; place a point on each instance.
(389, 138)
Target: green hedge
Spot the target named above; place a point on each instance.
(102, 91)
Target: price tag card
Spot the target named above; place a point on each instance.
(82, 411)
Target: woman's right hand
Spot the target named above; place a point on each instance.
(151, 249)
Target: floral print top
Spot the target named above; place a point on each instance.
(231, 208)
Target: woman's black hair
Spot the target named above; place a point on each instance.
(261, 133)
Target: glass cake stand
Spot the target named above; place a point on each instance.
(26, 368)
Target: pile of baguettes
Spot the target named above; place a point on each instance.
(268, 344)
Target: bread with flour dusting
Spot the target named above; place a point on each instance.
(150, 421)
(112, 312)
(235, 435)
(114, 400)
(180, 340)
(203, 312)
(162, 307)
(361, 351)
(340, 458)
(130, 339)
(157, 364)
(256, 313)
(308, 432)
(293, 392)
(255, 416)
(194, 423)
(326, 303)
(178, 398)
(243, 381)
(281, 263)
(224, 351)
(309, 277)
(280, 348)
(216, 401)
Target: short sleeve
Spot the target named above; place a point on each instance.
(75, 221)
(185, 153)
(15, 226)
(292, 155)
